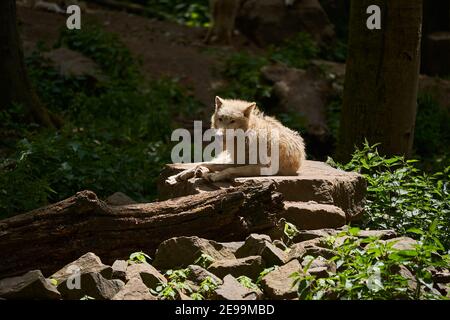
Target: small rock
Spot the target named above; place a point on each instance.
(382, 234)
(179, 252)
(197, 274)
(407, 274)
(146, 272)
(231, 289)
(320, 267)
(91, 284)
(318, 272)
(119, 269)
(182, 296)
(437, 88)
(118, 283)
(403, 243)
(317, 242)
(85, 264)
(30, 286)
(72, 63)
(305, 235)
(194, 286)
(444, 289)
(233, 246)
(280, 245)
(319, 251)
(297, 251)
(441, 277)
(119, 199)
(277, 284)
(261, 245)
(249, 266)
(316, 247)
(135, 289)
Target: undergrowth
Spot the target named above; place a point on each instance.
(116, 135)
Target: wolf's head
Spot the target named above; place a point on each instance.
(232, 114)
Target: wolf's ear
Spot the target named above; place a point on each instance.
(219, 102)
(248, 110)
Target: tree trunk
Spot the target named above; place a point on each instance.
(381, 82)
(50, 237)
(15, 86)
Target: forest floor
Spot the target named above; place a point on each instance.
(166, 49)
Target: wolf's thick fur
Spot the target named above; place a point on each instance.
(238, 114)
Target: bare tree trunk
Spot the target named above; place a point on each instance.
(15, 86)
(50, 237)
(381, 83)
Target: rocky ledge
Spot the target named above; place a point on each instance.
(187, 268)
(318, 197)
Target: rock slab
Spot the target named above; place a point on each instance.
(316, 181)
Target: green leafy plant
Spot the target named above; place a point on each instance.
(197, 296)
(205, 260)
(265, 272)
(116, 134)
(245, 82)
(369, 268)
(176, 284)
(207, 287)
(400, 196)
(296, 52)
(247, 282)
(193, 13)
(107, 50)
(138, 257)
(289, 231)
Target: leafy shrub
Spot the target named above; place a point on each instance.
(400, 196)
(190, 13)
(372, 269)
(337, 51)
(243, 72)
(177, 284)
(296, 52)
(106, 49)
(55, 90)
(116, 135)
(138, 257)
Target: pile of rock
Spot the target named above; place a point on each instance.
(268, 263)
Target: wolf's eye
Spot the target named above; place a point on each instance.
(232, 121)
(220, 119)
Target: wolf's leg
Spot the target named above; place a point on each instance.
(197, 171)
(243, 171)
(201, 169)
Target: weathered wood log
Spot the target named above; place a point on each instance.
(50, 237)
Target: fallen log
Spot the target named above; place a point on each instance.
(49, 237)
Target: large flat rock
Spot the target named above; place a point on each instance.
(312, 215)
(316, 181)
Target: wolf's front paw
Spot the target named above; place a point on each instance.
(200, 171)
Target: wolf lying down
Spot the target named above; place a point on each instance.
(238, 114)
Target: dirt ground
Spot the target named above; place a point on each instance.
(166, 49)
